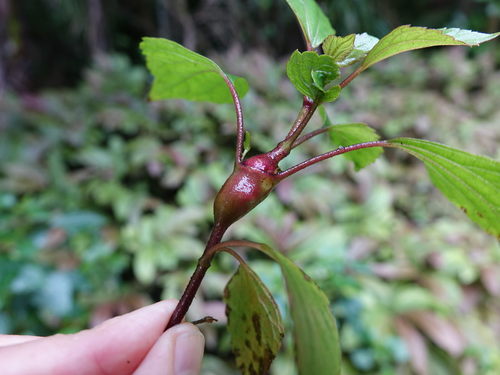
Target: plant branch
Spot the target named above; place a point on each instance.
(351, 76)
(310, 135)
(223, 246)
(327, 155)
(240, 132)
(283, 148)
(197, 276)
(305, 114)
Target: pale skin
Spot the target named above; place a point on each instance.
(134, 343)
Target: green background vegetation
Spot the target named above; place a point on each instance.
(105, 198)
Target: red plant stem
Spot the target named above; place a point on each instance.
(197, 276)
(308, 136)
(305, 114)
(340, 150)
(283, 148)
(216, 249)
(240, 132)
(351, 76)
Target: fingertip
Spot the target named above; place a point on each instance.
(179, 351)
(160, 311)
(124, 341)
(189, 348)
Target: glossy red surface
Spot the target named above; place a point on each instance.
(249, 184)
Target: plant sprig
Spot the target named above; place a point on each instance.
(471, 182)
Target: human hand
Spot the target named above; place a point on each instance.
(133, 343)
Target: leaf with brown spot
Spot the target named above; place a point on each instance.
(254, 341)
(317, 349)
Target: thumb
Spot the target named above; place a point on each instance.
(179, 350)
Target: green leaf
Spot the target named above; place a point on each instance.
(324, 116)
(363, 43)
(470, 181)
(338, 47)
(350, 134)
(183, 74)
(317, 348)
(254, 322)
(312, 74)
(471, 38)
(407, 38)
(313, 22)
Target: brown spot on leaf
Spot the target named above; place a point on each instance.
(306, 276)
(480, 214)
(463, 209)
(256, 326)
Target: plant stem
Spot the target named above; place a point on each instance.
(283, 148)
(310, 135)
(327, 155)
(197, 276)
(240, 132)
(351, 76)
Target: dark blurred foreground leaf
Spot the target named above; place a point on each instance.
(470, 181)
(254, 322)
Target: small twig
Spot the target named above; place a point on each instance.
(223, 247)
(240, 132)
(305, 114)
(283, 148)
(206, 319)
(327, 155)
(196, 278)
(310, 135)
(351, 76)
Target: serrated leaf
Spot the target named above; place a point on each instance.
(338, 47)
(406, 38)
(350, 134)
(469, 37)
(312, 74)
(313, 22)
(254, 322)
(363, 43)
(316, 341)
(470, 181)
(180, 73)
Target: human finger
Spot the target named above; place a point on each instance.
(115, 347)
(15, 339)
(178, 351)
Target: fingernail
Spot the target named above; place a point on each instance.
(188, 352)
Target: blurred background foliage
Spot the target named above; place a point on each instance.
(105, 198)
